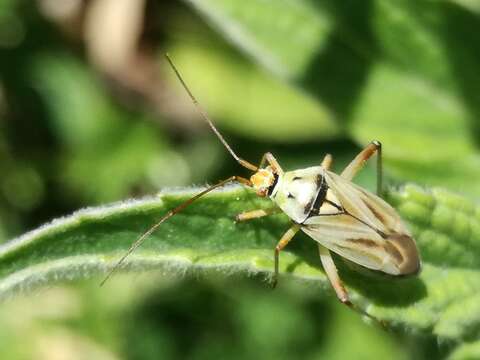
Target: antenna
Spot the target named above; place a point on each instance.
(204, 115)
(167, 216)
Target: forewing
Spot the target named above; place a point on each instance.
(365, 206)
(352, 240)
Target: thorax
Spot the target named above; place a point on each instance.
(298, 192)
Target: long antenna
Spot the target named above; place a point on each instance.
(204, 115)
(167, 216)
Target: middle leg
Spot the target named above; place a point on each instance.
(284, 240)
(327, 162)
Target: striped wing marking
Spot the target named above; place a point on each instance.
(370, 233)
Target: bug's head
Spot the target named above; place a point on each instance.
(263, 181)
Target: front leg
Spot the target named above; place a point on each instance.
(268, 157)
(255, 214)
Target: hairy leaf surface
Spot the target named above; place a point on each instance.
(204, 238)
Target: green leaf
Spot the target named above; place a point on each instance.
(92, 239)
(203, 238)
(403, 72)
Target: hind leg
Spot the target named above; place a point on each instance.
(337, 284)
(332, 274)
(357, 164)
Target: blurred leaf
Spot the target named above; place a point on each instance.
(471, 5)
(81, 113)
(204, 238)
(152, 317)
(432, 147)
(246, 100)
(387, 69)
(12, 27)
(109, 151)
(347, 327)
(21, 188)
(424, 106)
(264, 29)
(260, 325)
(466, 351)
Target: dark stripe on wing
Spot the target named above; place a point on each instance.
(403, 249)
(367, 242)
(375, 212)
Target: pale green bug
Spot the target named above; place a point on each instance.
(339, 215)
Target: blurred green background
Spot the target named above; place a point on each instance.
(90, 113)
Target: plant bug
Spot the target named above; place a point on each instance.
(340, 216)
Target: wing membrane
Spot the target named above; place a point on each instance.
(365, 206)
(363, 233)
(351, 239)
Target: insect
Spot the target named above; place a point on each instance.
(340, 216)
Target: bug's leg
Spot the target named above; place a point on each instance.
(357, 164)
(332, 274)
(327, 162)
(268, 157)
(284, 240)
(337, 284)
(254, 214)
